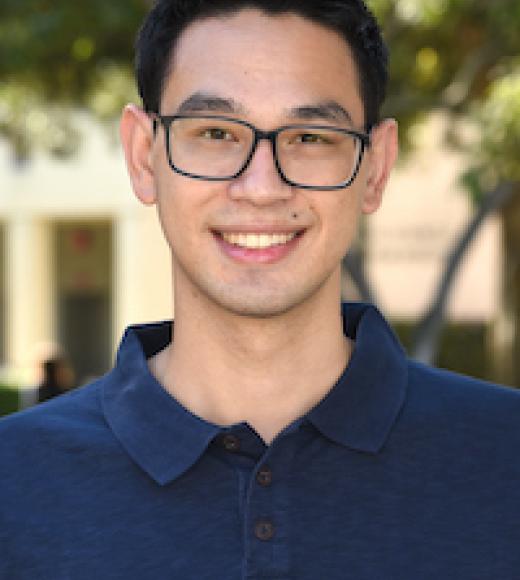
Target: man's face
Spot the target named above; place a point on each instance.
(269, 71)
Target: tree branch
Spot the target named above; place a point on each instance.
(428, 331)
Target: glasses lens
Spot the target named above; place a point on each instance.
(209, 147)
(318, 157)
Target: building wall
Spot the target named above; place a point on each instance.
(41, 195)
(424, 212)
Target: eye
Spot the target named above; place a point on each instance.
(312, 138)
(217, 134)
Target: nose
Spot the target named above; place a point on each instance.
(261, 184)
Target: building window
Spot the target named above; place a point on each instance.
(84, 295)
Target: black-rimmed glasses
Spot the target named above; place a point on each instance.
(218, 148)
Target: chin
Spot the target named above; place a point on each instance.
(260, 311)
(255, 297)
(262, 305)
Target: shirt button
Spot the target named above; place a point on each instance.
(231, 443)
(264, 530)
(264, 477)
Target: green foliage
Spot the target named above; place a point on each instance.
(499, 117)
(459, 56)
(454, 55)
(57, 56)
(9, 400)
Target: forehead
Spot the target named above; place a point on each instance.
(264, 62)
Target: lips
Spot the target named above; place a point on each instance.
(260, 247)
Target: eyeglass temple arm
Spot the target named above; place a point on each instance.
(156, 119)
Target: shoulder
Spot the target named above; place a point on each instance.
(62, 422)
(462, 405)
(447, 386)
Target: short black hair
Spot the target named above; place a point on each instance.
(350, 18)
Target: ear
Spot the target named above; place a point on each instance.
(137, 138)
(383, 152)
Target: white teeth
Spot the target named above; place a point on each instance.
(258, 241)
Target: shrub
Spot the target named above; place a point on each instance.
(9, 400)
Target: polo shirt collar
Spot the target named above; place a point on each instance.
(361, 409)
(160, 435)
(165, 439)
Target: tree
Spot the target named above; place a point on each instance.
(58, 56)
(458, 56)
(461, 57)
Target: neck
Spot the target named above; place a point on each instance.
(267, 372)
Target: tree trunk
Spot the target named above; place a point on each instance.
(506, 336)
(428, 332)
(505, 343)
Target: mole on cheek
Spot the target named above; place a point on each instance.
(295, 216)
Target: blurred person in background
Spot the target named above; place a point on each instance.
(56, 379)
(269, 432)
(52, 375)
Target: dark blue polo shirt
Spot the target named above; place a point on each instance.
(401, 472)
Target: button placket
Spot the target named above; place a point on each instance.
(262, 505)
(266, 514)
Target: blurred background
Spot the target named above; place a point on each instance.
(80, 259)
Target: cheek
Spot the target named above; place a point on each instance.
(170, 209)
(168, 225)
(341, 226)
(342, 217)
(182, 205)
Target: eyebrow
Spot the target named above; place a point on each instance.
(206, 102)
(328, 111)
(202, 102)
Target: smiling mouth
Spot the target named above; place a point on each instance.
(260, 241)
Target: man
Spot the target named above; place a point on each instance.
(267, 434)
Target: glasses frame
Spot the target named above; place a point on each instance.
(259, 135)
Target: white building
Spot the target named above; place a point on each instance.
(81, 258)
